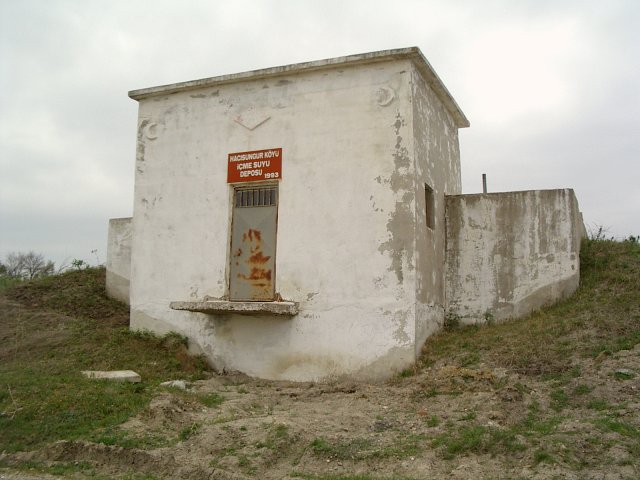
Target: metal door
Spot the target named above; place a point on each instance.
(253, 244)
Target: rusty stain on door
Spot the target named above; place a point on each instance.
(253, 244)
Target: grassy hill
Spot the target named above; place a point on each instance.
(602, 318)
(53, 328)
(554, 395)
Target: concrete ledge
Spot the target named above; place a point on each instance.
(246, 308)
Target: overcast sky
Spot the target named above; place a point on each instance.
(552, 90)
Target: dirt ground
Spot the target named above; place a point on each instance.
(445, 421)
(400, 429)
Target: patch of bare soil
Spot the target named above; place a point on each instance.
(446, 422)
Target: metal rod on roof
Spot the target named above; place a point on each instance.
(484, 183)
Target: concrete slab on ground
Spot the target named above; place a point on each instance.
(115, 375)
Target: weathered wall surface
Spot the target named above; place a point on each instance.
(119, 259)
(511, 253)
(345, 247)
(437, 164)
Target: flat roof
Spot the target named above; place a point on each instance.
(411, 53)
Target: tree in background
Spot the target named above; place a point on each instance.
(13, 265)
(26, 266)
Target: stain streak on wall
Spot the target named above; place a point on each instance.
(509, 254)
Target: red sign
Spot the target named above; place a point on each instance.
(255, 166)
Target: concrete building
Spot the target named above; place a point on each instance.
(292, 221)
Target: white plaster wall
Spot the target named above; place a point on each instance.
(508, 254)
(119, 259)
(437, 163)
(340, 253)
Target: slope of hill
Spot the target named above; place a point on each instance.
(555, 395)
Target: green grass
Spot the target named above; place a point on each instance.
(542, 456)
(611, 423)
(599, 404)
(211, 400)
(468, 416)
(70, 326)
(6, 282)
(559, 399)
(72, 469)
(582, 390)
(537, 424)
(433, 421)
(406, 373)
(61, 468)
(344, 477)
(321, 446)
(277, 437)
(477, 439)
(465, 438)
(358, 449)
(113, 435)
(189, 431)
(624, 375)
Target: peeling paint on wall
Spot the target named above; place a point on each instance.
(400, 243)
(400, 224)
(140, 146)
(401, 319)
(401, 180)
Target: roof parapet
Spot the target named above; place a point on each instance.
(412, 53)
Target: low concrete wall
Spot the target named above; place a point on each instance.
(119, 259)
(509, 254)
